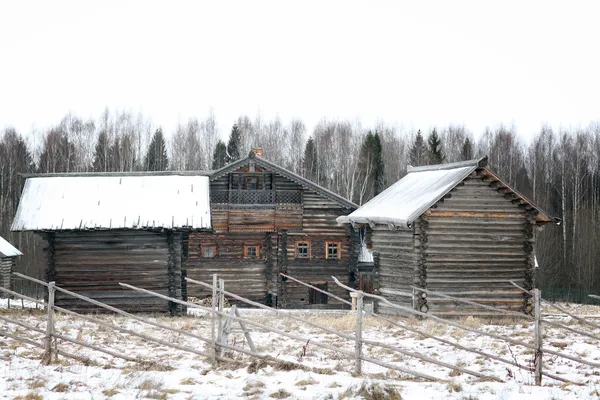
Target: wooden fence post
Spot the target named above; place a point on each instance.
(359, 323)
(353, 297)
(538, 337)
(213, 318)
(219, 315)
(47, 357)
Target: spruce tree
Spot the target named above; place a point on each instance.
(371, 167)
(219, 155)
(310, 164)
(435, 148)
(466, 151)
(418, 151)
(102, 154)
(156, 159)
(234, 144)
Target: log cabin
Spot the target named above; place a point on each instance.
(268, 220)
(102, 229)
(8, 256)
(246, 222)
(456, 229)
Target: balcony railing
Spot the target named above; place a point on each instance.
(258, 197)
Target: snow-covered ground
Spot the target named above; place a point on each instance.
(326, 375)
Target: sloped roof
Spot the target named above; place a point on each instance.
(285, 173)
(113, 202)
(7, 249)
(403, 202)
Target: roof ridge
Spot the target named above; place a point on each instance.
(479, 162)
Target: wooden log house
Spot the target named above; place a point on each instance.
(8, 256)
(458, 229)
(268, 220)
(247, 222)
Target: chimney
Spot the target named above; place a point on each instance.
(258, 151)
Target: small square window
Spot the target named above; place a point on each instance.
(209, 251)
(251, 251)
(333, 250)
(302, 249)
(252, 183)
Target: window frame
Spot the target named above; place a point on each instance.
(339, 249)
(252, 178)
(254, 246)
(209, 246)
(308, 250)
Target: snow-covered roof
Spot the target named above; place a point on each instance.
(7, 249)
(113, 202)
(407, 199)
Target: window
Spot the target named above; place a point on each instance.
(302, 249)
(209, 251)
(251, 251)
(251, 182)
(316, 297)
(333, 250)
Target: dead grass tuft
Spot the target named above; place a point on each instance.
(306, 382)
(280, 394)
(111, 392)
(454, 387)
(37, 383)
(30, 396)
(189, 381)
(373, 391)
(256, 365)
(150, 384)
(61, 388)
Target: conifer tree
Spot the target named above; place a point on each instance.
(435, 148)
(234, 144)
(372, 181)
(310, 163)
(466, 151)
(156, 159)
(219, 155)
(102, 153)
(418, 151)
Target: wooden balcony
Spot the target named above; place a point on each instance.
(255, 198)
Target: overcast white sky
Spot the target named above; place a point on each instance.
(416, 64)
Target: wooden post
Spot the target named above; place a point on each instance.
(47, 358)
(219, 315)
(353, 297)
(359, 323)
(538, 337)
(213, 318)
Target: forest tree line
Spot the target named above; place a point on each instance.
(558, 170)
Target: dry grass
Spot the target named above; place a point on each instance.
(372, 391)
(150, 384)
(189, 381)
(30, 396)
(61, 388)
(306, 382)
(280, 394)
(37, 383)
(111, 392)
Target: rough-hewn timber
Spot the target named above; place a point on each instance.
(92, 263)
(7, 265)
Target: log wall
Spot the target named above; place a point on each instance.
(92, 263)
(396, 263)
(477, 240)
(243, 276)
(7, 265)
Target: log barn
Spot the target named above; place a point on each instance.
(8, 256)
(102, 229)
(247, 222)
(458, 229)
